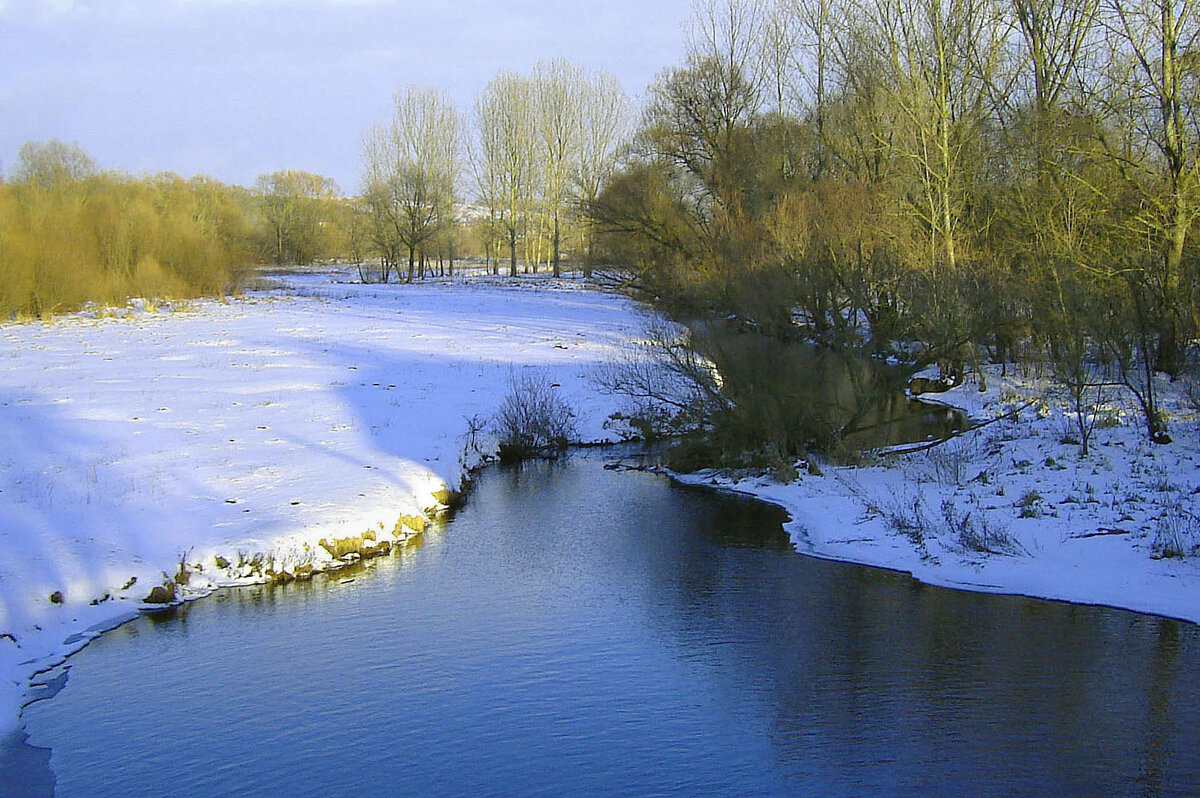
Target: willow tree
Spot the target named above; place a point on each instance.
(412, 166)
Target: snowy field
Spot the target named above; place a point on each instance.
(1014, 507)
(241, 434)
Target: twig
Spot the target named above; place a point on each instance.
(925, 446)
(1102, 532)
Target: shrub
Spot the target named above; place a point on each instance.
(107, 237)
(533, 420)
(949, 461)
(976, 534)
(907, 518)
(1028, 504)
(1178, 531)
(691, 454)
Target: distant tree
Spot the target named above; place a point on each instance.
(298, 208)
(112, 236)
(506, 162)
(412, 168)
(46, 164)
(558, 90)
(356, 231)
(605, 113)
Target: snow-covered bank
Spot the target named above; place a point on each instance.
(1013, 507)
(260, 426)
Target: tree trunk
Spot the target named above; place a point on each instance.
(589, 252)
(557, 261)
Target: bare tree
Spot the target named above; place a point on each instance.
(605, 112)
(942, 54)
(697, 121)
(813, 29)
(731, 31)
(51, 163)
(412, 166)
(356, 232)
(505, 163)
(1055, 34)
(1149, 99)
(558, 88)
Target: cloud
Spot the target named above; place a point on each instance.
(236, 88)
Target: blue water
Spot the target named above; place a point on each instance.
(577, 631)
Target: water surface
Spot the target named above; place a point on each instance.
(581, 631)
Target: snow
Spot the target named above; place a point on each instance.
(132, 440)
(1055, 524)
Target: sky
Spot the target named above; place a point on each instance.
(237, 88)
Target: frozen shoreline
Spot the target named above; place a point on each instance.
(1082, 530)
(235, 436)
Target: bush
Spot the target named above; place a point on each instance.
(949, 461)
(1030, 504)
(533, 420)
(1178, 531)
(976, 534)
(109, 237)
(692, 454)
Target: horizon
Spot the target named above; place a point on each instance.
(232, 90)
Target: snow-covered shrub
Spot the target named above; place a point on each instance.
(974, 533)
(907, 516)
(1178, 530)
(1030, 504)
(949, 462)
(533, 419)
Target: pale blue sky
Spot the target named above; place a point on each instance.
(234, 88)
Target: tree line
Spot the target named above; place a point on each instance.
(536, 149)
(1014, 180)
(71, 233)
(511, 178)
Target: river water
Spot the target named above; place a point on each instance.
(581, 631)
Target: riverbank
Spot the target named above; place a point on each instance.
(224, 442)
(217, 443)
(1013, 506)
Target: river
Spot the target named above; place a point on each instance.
(577, 630)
